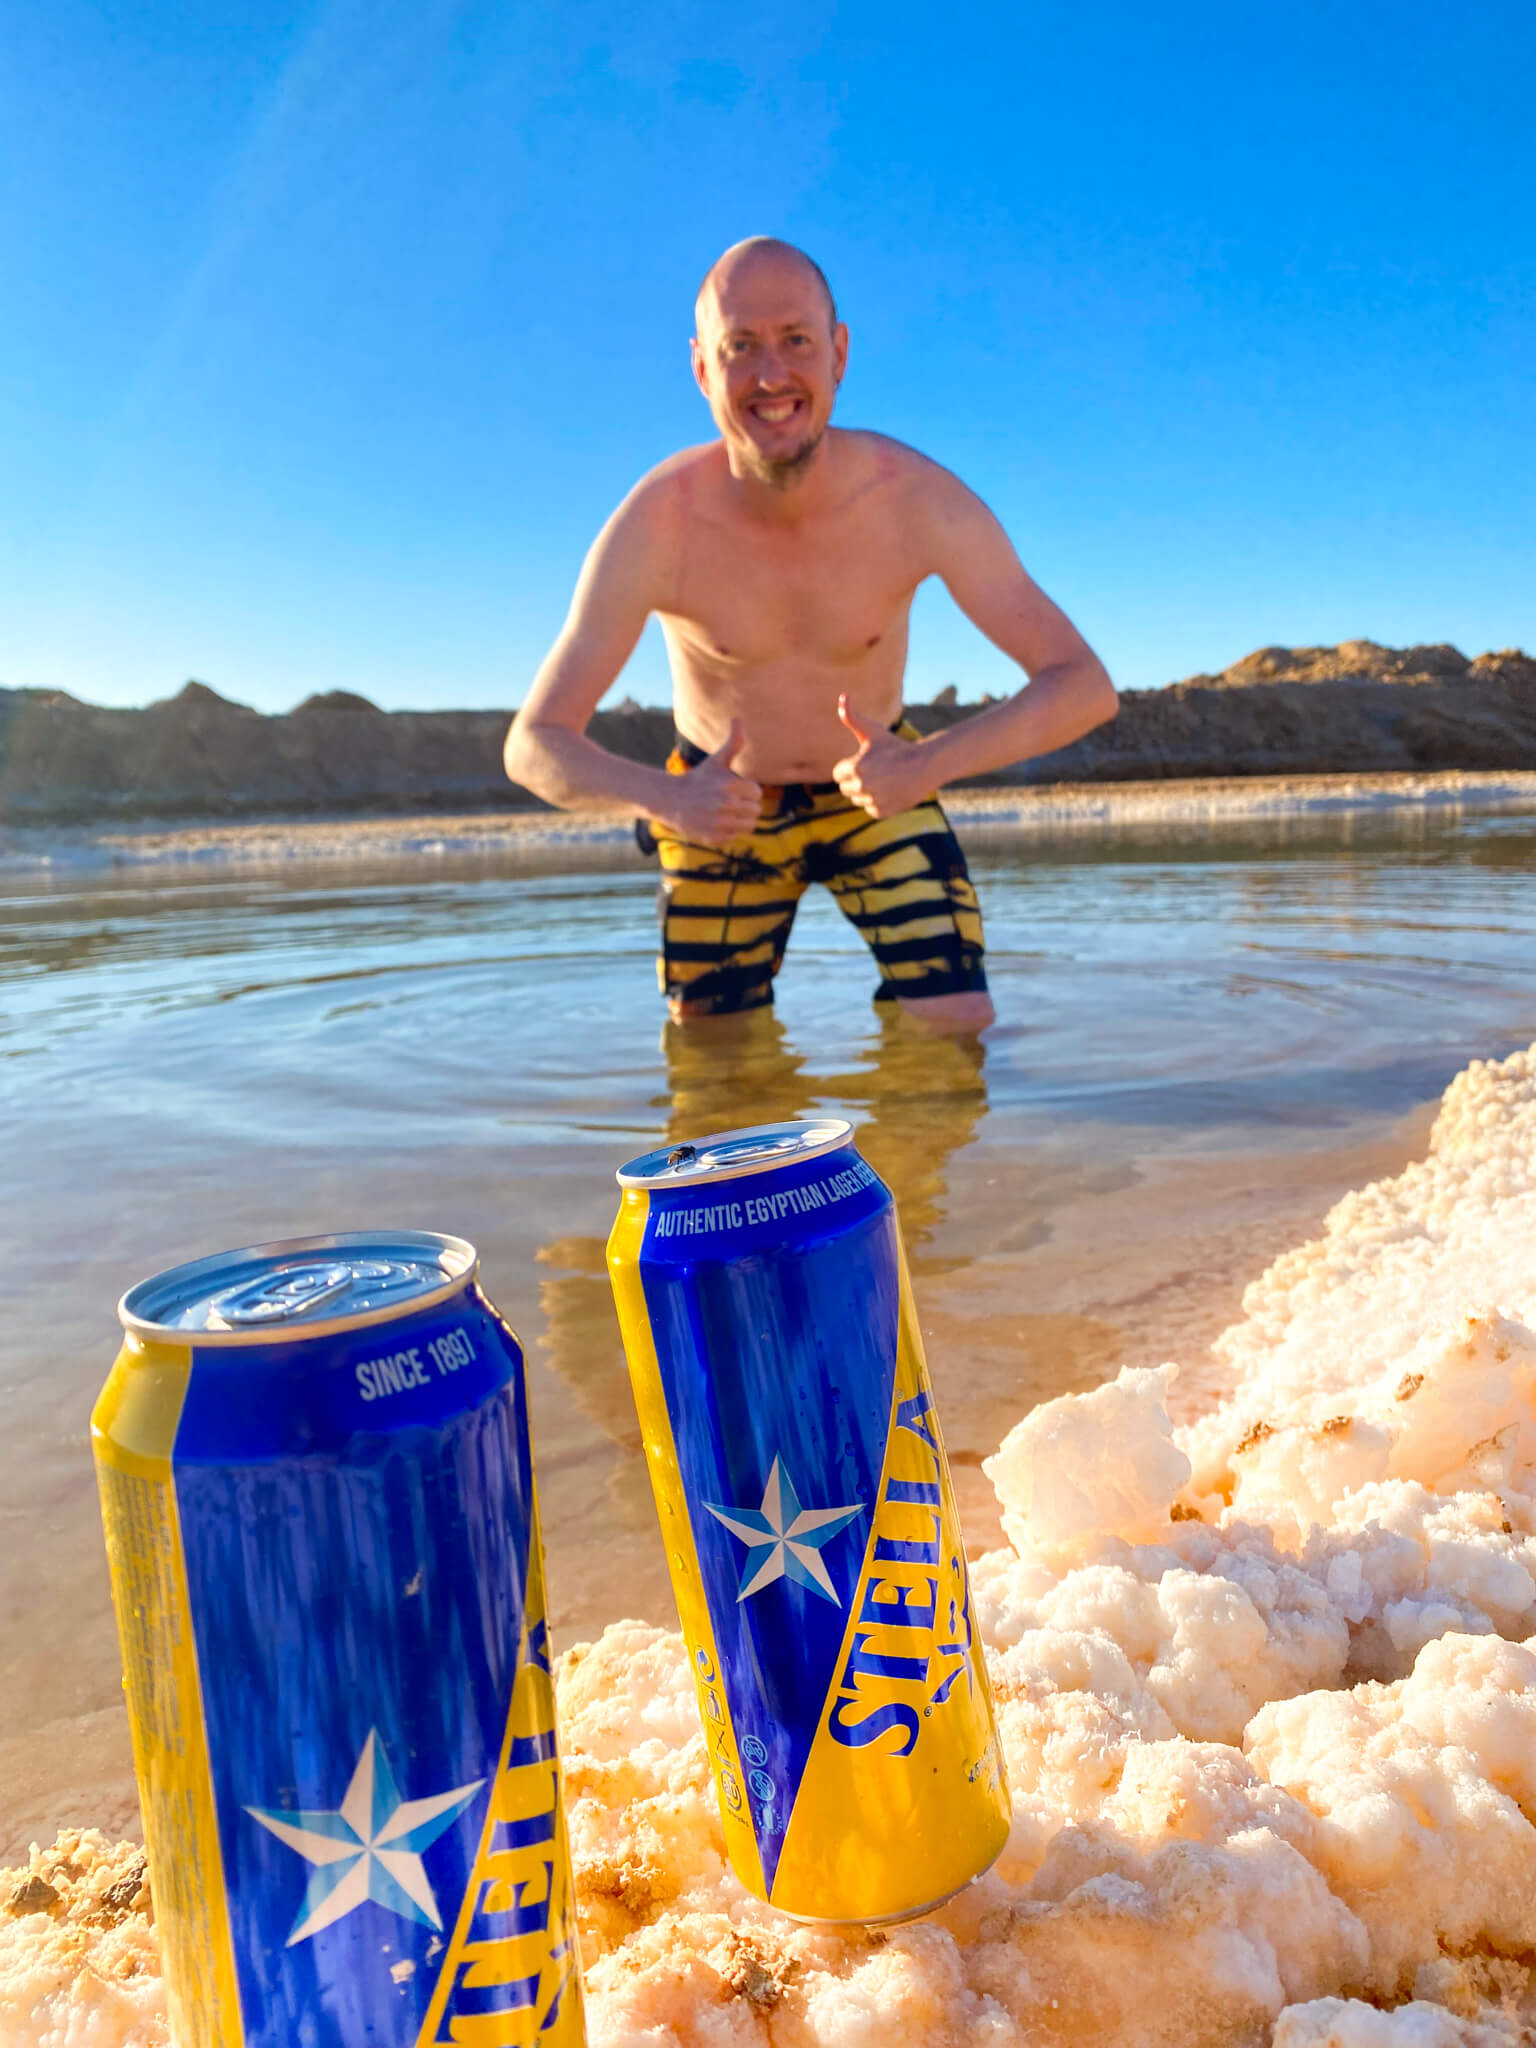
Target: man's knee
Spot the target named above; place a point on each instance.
(710, 1009)
(681, 1011)
(968, 1010)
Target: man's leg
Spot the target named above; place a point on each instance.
(968, 1010)
(903, 883)
(725, 921)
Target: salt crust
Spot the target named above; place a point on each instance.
(1267, 1687)
(1044, 808)
(79, 1961)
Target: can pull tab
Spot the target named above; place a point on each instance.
(275, 1297)
(296, 1291)
(735, 1151)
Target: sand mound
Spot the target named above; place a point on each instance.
(1267, 1687)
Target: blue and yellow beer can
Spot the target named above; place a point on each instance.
(809, 1520)
(322, 1528)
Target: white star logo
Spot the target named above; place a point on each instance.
(792, 1536)
(370, 1848)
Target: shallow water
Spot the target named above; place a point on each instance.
(1203, 1038)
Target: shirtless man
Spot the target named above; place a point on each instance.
(782, 561)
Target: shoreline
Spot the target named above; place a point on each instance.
(1011, 810)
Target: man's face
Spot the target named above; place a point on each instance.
(769, 360)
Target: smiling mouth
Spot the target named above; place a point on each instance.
(776, 412)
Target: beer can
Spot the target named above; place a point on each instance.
(809, 1520)
(322, 1529)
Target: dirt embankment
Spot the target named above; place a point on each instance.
(1352, 709)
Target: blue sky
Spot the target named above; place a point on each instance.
(331, 333)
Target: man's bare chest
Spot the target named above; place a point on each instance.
(830, 601)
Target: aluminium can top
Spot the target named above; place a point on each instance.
(300, 1287)
(728, 1155)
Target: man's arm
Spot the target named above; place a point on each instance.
(625, 577)
(547, 749)
(1068, 691)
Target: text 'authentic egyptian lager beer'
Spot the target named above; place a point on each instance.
(324, 1544)
(809, 1521)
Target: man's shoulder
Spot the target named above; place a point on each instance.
(646, 526)
(669, 484)
(883, 460)
(881, 451)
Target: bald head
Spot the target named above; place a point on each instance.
(757, 252)
(768, 353)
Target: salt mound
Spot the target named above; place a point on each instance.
(1266, 1684)
(1390, 1308)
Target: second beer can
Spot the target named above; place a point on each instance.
(810, 1524)
(321, 1523)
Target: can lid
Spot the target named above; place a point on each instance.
(729, 1154)
(308, 1284)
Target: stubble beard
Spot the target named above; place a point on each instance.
(781, 474)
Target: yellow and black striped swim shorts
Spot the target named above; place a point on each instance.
(901, 881)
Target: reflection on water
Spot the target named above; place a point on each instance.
(916, 1101)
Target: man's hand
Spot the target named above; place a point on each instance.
(713, 804)
(884, 775)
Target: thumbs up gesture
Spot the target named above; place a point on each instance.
(712, 804)
(883, 774)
